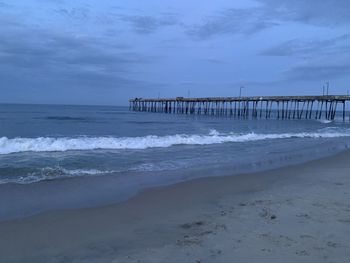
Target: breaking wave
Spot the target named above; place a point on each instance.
(50, 144)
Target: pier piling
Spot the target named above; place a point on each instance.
(280, 107)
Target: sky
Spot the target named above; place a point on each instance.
(105, 52)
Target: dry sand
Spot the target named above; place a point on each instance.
(293, 214)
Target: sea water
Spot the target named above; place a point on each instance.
(39, 142)
(48, 143)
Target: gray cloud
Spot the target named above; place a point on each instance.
(319, 59)
(143, 24)
(272, 13)
(321, 72)
(46, 49)
(323, 13)
(232, 21)
(41, 60)
(81, 13)
(79, 49)
(4, 5)
(309, 47)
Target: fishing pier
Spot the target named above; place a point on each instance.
(281, 107)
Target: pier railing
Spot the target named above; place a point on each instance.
(280, 107)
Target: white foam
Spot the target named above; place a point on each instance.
(51, 173)
(324, 121)
(81, 172)
(50, 144)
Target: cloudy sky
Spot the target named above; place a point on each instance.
(105, 52)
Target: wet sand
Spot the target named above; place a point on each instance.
(292, 214)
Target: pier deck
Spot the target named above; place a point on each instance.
(280, 107)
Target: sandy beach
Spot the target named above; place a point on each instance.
(174, 132)
(293, 214)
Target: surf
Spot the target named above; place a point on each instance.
(83, 143)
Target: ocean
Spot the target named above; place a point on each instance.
(42, 144)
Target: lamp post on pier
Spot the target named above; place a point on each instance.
(240, 90)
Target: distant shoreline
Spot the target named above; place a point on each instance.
(25, 200)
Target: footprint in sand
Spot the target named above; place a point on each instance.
(302, 253)
(193, 224)
(267, 214)
(333, 244)
(344, 220)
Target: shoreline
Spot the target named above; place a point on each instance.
(300, 212)
(26, 200)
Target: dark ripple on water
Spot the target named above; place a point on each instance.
(66, 118)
